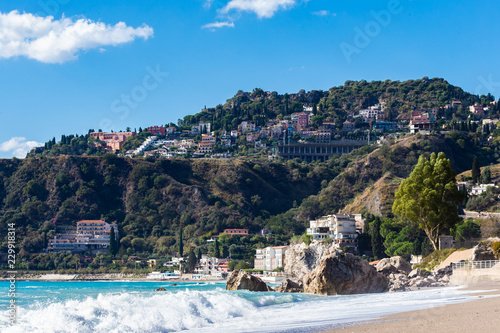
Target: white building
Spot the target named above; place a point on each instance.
(341, 228)
(270, 258)
(145, 145)
(247, 126)
(478, 190)
(89, 235)
(372, 112)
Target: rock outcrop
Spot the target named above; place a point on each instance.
(482, 252)
(393, 265)
(161, 289)
(341, 273)
(241, 280)
(418, 278)
(289, 286)
(300, 259)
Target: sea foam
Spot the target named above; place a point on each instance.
(216, 310)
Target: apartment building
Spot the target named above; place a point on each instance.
(88, 236)
(341, 228)
(270, 258)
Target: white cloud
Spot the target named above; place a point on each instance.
(263, 8)
(321, 13)
(217, 25)
(208, 4)
(18, 146)
(57, 41)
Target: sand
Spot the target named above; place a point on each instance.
(481, 315)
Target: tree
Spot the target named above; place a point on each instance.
(181, 244)
(476, 170)
(486, 176)
(216, 249)
(192, 261)
(113, 248)
(377, 239)
(467, 230)
(430, 197)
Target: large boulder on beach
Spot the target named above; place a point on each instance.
(241, 280)
(393, 265)
(482, 252)
(342, 273)
(300, 258)
(289, 286)
(417, 272)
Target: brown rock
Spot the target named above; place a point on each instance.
(482, 252)
(241, 280)
(160, 289)
(289, 286)
(344, 274)
(393, 265)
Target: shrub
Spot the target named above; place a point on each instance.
(496, 247)
(434, 259)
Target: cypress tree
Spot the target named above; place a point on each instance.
(216, 249)
(476, 170)
(113, 248)
(192, 261)
(377, 239)
(181, 245)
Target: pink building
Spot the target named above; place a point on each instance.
(156, 130)
(114, 140)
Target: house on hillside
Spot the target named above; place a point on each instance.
(343, 229)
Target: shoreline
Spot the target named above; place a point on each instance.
(109, 277)
(477, 315)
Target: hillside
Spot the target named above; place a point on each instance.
(401, 98)
(372, 180)
(149, 198)
(376, 199)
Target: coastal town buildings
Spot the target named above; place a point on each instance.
(114, 140)
(88, 236)
(156, 130)
(212, 266)
(270, 258)
(420, 122)
(343, 229)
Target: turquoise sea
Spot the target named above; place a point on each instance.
(196, 307)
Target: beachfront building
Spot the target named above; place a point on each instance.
(90, 236)
(208, 265)
(343, 229)
(270, 258)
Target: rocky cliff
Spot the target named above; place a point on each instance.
(300, 258)
(341, 273)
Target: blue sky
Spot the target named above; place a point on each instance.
(171, 58)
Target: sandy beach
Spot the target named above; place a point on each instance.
(481, 315)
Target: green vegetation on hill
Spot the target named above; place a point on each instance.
(396, 161)
(338, 103)
(151, 200)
